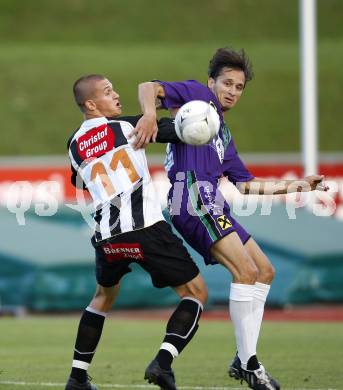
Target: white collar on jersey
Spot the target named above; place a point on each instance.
(89, 124)
(94, 122)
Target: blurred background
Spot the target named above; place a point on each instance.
(46, 260)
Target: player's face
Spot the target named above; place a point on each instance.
(228, 87)
(106, 99)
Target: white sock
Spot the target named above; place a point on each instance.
(241, 313)
(260, 297)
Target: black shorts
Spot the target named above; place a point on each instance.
(155, 248)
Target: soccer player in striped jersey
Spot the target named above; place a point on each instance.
(199, 211)
(129, 227)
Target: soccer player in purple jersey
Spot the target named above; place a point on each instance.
(201, 214)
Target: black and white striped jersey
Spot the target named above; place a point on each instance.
(116, 175)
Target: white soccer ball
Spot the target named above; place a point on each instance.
(197, 122)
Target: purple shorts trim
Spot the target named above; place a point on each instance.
(201, 215)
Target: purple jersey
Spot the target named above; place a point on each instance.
(196, 206)
(209, 161)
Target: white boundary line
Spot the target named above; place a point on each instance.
(132, 386)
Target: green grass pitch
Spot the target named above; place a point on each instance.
(38, 350)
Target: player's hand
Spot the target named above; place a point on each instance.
(316, 182)
(145, 130)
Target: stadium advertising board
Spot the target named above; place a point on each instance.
(45, 188)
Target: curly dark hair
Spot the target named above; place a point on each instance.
(226, 57)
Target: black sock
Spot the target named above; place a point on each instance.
(253, 363)
(79, 374)
(181, 328)
(164, 358)
(88, 336)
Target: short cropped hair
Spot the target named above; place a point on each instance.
(82, 88)
(226, 57)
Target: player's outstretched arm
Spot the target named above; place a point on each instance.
(146, 128)
(261, 186)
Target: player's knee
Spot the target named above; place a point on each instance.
(196, 288)
(266, 274)
(104, 298)
(202, 295)
(198, 291)
(201, 291)
(108, 302)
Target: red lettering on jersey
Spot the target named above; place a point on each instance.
(123, 251)
(95, 142)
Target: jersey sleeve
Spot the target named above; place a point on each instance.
(133, 119)
(178, 93)
(166, 131)
(233, 167)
